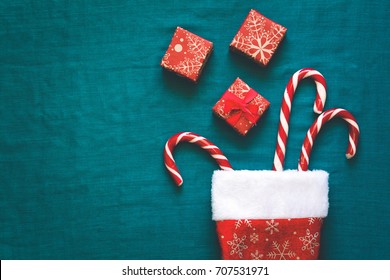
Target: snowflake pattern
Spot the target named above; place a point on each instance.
(261, 103)
(258, 37)
(310, 241)
(239, 223)
(186, 54)
(272, 239)
(188, 67)
(197, 47)
(312, 220)
(237, 245)
(239, 88)
(254, 237)
(281, 251)
(256, 255)
(272, 226)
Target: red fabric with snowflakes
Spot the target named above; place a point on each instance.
(241, 106)
(272, 239)
(258, 37)
(187, 53)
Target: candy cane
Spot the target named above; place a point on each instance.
(285, 110)
(316, 127)
(205, 144)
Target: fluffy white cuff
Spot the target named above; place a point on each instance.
(247, 194)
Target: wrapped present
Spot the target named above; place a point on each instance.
(187, 54)
(258, 37)
(241, 106)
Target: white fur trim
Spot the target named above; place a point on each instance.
(247, 194)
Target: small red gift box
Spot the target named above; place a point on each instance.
(187, 54)
(241, 106)
(258, 37)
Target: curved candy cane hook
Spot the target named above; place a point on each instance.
(202, 142)
(316, 127)
(285, 110)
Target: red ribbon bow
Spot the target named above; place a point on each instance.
(240, 107)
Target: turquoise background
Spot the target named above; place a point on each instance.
(85, 111)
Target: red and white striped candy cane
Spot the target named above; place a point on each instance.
(202, 142)
(316, 127)
(285, 110)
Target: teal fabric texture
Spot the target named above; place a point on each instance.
(86, 109)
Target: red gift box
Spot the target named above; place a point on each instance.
(241, 106)
(258, 37)
(187, 54)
